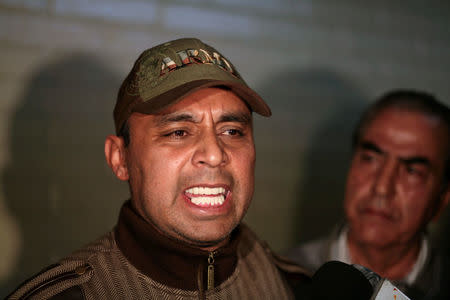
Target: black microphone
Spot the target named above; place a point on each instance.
(337, 280)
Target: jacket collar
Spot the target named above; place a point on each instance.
(168, 260)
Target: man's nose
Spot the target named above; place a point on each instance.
(385, 179)
(210, 150)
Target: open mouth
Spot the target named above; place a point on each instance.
(207, 196)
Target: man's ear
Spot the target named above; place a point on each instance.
(115, 154)
(444, 200)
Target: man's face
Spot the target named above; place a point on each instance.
(395, 179)
(191, 167)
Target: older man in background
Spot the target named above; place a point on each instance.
(397, 183)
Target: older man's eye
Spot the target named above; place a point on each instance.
(411, 170)
(367, 157)
(415, 170)
(233, 132)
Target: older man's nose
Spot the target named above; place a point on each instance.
(384, 185)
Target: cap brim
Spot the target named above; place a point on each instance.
(156, 104)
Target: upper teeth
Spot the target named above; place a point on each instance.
(206, 191)
(205, 196)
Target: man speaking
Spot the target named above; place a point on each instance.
(185, 145)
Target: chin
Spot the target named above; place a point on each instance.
(207, 236)
(372, 237)
(206, 241)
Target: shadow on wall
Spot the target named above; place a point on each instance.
(57, 185)
(306, 150)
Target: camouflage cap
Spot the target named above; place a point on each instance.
(166, 73)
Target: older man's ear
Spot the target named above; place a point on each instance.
(115, 154)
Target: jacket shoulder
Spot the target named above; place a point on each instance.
(286, 266)
(58, 281)
(292, 271)
(312, 254)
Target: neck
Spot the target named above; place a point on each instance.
(173, 262)
(392, 261)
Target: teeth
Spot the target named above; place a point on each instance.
(208, 201)
(206, 196)
(206, 191)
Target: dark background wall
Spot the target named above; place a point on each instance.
(317, 63)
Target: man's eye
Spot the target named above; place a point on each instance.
(414, 170)
(177, 133)
(416, 173)
(367, 157)
(233, 132)
(410, 169)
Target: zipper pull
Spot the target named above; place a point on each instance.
(210, 284)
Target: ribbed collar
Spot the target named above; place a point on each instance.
(167, 260)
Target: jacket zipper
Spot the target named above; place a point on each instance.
(210, 282)
(209, 274)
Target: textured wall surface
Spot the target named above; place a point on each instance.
(317, 63)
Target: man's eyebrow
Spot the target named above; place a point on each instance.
(243, 118)
(367, 145)
(175, 117)
(416, 160)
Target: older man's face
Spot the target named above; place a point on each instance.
(191, 167)
(395, 182)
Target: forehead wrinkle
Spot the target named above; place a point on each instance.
(176, 117)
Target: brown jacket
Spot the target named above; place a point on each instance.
(136, 262)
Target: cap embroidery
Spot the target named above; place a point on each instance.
(193, 56)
